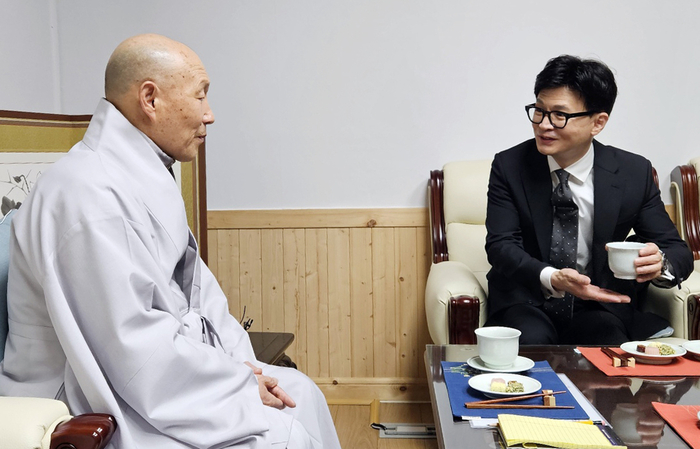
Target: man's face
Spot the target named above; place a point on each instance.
(569, 144)
(184, 111)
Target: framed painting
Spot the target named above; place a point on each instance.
(30, 142)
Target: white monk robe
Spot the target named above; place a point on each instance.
(112, 310)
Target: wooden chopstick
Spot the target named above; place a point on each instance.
(614, 356)
(513, 398)
(617, 359)
(476, 405)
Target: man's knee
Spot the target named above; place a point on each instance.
(596, 328)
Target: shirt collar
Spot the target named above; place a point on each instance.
(579, 170)
(164, 158)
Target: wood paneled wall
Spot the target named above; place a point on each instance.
(348, 283)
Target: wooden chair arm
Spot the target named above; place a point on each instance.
(437, 216)
(89, 431)
(463, 319)
(693, 317)
(685, 177)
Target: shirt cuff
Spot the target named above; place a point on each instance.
(546, 282)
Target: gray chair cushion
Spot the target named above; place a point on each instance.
(4, 266)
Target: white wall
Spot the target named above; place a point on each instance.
(350, 103)
(28, 58)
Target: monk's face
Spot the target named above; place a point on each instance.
(185, 113)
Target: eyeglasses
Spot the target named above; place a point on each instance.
(558, 119)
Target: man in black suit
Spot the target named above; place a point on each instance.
(610, 191)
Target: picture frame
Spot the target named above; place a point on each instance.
(32, 141)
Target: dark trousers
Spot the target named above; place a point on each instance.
(591, 325)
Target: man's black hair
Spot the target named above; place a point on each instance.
(590, 79)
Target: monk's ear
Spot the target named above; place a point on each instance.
(148, 98)
(599, 121)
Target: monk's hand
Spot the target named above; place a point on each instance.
(649, 263)
(571, 281)
(271, 394)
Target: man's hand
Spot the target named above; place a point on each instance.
(571, 281)
(271, 394)
(649, 263)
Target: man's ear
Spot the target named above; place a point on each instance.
(599, 122)
(148, 93)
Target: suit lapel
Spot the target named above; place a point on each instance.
(607, 194)
(537, 184)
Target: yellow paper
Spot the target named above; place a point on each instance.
(527, 430)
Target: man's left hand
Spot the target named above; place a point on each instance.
(649, 263)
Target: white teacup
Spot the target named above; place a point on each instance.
(498, 346)
(621, 257)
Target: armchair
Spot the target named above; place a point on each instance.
(684, 189)
(33, 423)
(457, 291)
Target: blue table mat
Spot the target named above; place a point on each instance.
(457, 375)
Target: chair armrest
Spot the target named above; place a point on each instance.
(89, 431)
(446, 280)
(678, 306)
(25, 422)
(38, 422)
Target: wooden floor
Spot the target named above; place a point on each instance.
(353, 425)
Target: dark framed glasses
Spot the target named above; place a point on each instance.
(558, 119)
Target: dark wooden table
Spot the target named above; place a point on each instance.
(624, 402)
(269, 347)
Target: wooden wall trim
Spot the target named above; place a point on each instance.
(326, 218)
(44, 117)
(317, 218)
(362, 391)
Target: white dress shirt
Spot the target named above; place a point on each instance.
(581, 184)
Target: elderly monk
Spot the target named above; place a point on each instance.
(111, 308)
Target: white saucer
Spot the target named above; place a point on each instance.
(521, 364)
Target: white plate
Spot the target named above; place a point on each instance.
(521, 364)
(482, 383)
(693, 348)
(631, 348)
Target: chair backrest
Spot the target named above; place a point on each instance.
(4, 266)
(465, 186)
(686, 193)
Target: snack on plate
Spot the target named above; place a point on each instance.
(498, 384)
(514, 387)
(655, 348)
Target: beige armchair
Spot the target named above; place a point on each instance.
(457, 292)
(684, 189)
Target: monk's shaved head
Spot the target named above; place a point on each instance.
(146, 57)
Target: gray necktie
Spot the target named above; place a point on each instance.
(564, 244)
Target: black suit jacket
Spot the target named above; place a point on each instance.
(519, 225)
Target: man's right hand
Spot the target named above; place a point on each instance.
(571, 281)
(271, 394)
